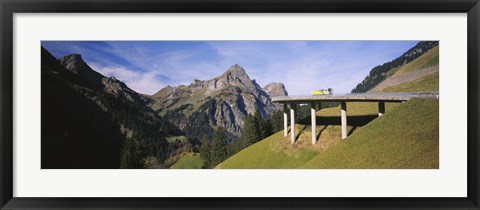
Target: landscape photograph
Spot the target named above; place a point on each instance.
(260, 104)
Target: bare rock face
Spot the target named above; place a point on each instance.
(224, 101)
(275, 89)
(75, 64)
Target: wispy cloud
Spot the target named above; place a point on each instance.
(143, 82)
(147, 66)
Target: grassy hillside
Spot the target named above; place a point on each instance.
(424, 84)
(356, 109)
(406, 137)
(420, 75)
(381, 72)
(171, 139)
(188, 161)
(399, 139)
(428, 59)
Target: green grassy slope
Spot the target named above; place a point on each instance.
(430, 58)
(425, 84)
(405, 137)
(272, 152)
(277, 152)
(188, 161)
(176, 138)
(356, 109)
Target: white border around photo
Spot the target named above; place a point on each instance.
(450, 180)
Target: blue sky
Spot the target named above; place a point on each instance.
(148, 66)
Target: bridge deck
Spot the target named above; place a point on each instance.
(367, 97)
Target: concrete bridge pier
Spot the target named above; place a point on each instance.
(381, 108)
(285, 120)
(313, 112)
(344, 119)
(293, 109)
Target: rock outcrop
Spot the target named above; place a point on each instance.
(275, 89)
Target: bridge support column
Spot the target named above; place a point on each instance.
(381, 108)
(313, 112)
(344, 119)
(285, 120)
(293, 108)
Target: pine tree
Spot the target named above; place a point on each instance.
(133, 154)
(206, 152)
(250, 131)
(219, 147)
(264, 128)
(267, 128)
(261, 126)
(276, 121)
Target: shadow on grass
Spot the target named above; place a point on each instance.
(351, 130)
(320, 132)
(299, 133)
(354, 121)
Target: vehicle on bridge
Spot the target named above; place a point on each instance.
(324, 91)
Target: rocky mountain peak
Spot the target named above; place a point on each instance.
(164, 92)
(74, 63)
(275, 89)
(224, 101)
(235, 76)
(236, 71)
(77, 65)
(74, 56)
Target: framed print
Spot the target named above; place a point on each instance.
(239, 105)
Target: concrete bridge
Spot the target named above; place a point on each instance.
(291, 102)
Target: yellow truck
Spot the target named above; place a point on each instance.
(324, 91)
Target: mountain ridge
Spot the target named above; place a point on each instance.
(77, 65)
(225, 100)
(85, 124)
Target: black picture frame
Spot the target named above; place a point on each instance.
(10, 7)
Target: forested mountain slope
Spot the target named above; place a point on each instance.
(381, 72)
(91, 121)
